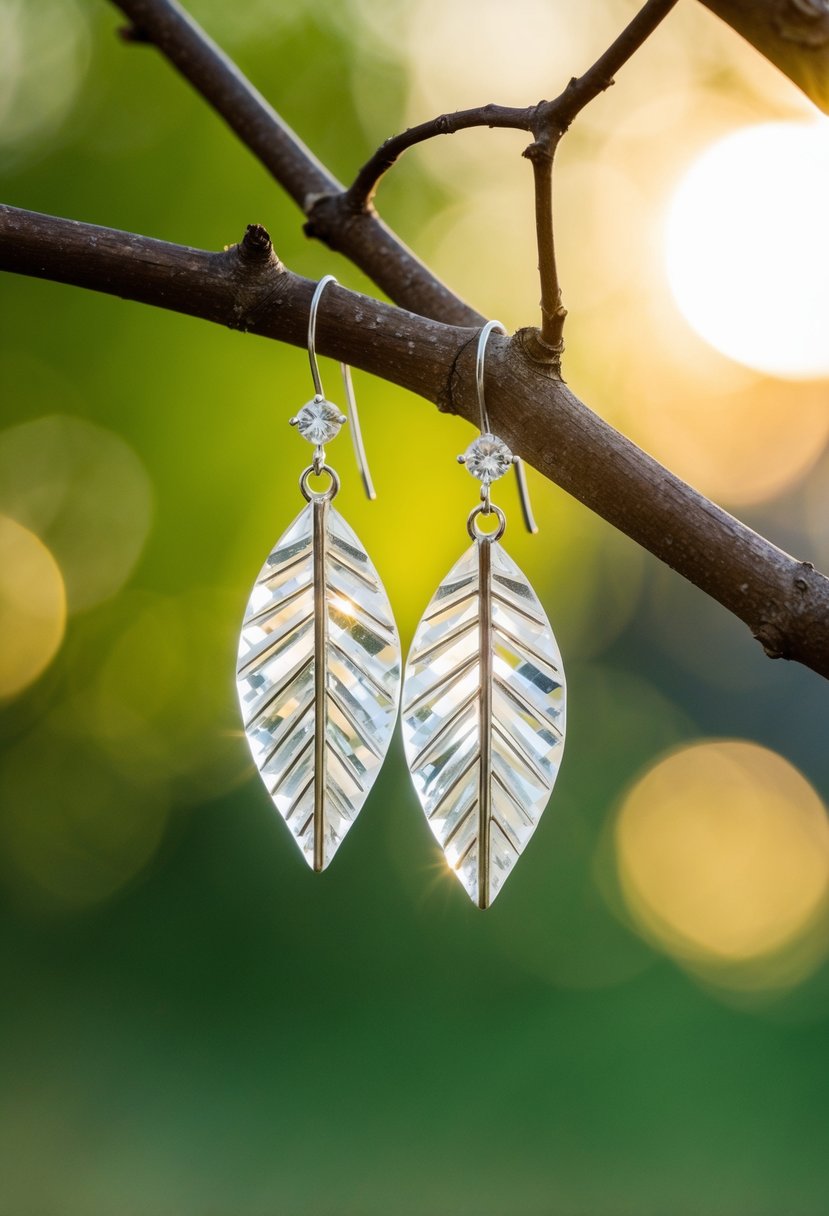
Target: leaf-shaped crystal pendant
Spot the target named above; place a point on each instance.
(483, 716)
(318, 678)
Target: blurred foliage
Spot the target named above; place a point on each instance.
(195, 1023)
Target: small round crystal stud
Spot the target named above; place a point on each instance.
(318, 421)
(488, 458)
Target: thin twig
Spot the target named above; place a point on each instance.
(547, 122)
(362, 190)
(551, 120)
(344, 219)
(553, 312)
(583, 89)
(367, 242)
(784, 602)
(542, 120)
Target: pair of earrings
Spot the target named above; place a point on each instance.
(319, 671)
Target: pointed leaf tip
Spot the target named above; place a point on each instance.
(319, 678)
(484, 736)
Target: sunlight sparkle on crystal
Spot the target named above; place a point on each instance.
(488, 458)
(319, 421)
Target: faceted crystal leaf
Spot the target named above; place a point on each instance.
(483, 716)
(318, 677)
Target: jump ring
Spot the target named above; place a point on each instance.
(321, 495)
(475, 532)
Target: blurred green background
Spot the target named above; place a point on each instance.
(191, 1021)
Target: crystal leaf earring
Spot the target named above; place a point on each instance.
(484, 693)
(319, 662)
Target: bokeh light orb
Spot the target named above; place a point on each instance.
(32, 607)
(746, 248)
(723, 852)
(161, 707)
(44, 55)
(86, 492)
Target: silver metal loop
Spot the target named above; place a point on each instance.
(319, 495)
(480, 363)
(476, 533)
(312, 331)
(520, 475)
(524, 497)
(351, 404)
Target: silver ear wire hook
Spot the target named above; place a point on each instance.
(480, 363)
(351, 404)
(520, 474)
(357, 434)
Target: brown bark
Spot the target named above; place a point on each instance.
(430, 349)
(784, 602)
(793, 34)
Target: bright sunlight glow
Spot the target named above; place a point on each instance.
(747, 247)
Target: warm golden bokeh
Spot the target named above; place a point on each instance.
(158, 710)
(632, 352)
(723, 854)
(32, 607)
(713, 421)
(727, 440)
(84, 490)
(191, 1019)
(740, 218)
(455, 51)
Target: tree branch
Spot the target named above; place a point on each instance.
(362, 238)
(792, 34)
(547, 121)
(583, 89)
(553, 312)
(541, 120)
(784, 602)
(362, 190)
(343, 219)
(551, 120)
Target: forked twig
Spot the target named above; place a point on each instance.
(784, 602)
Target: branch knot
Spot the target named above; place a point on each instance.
(544, 356)
(255, 245)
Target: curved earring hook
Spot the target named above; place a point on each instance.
(520, 474)
(351, 404)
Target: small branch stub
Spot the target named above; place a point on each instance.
(542, 354)
(134, 33)
(256, 245)
(782, 601)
